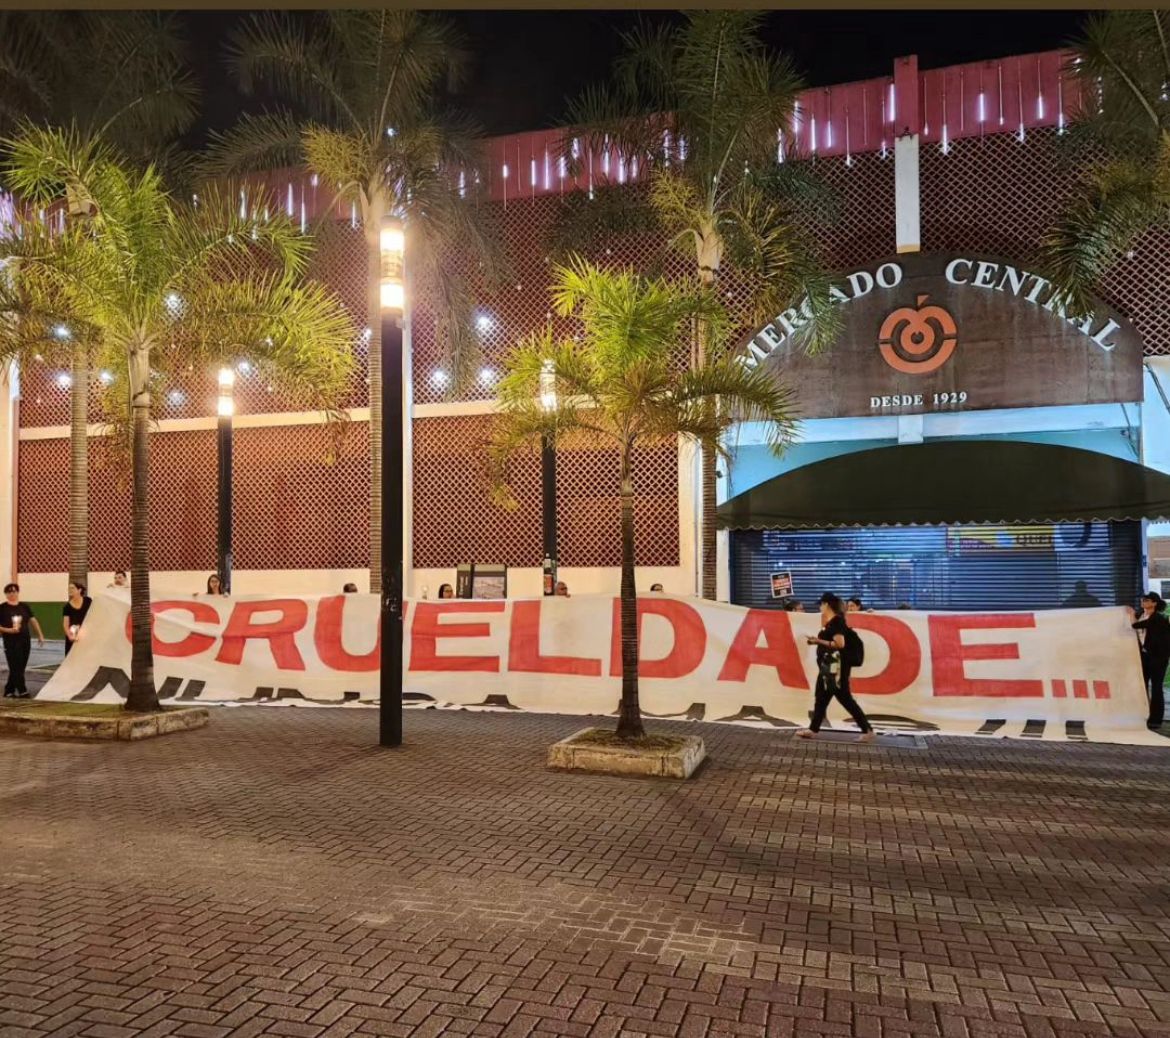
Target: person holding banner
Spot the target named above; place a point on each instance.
(73, 615)
(835, 658)
(16, 619)
(1155, 635)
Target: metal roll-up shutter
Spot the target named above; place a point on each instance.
(945, 567)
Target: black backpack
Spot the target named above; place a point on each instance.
(854, 651)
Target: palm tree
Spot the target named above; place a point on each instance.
(162, 285)
(121, 77)
(367, 84)
(1123, 64)
(698, 105)
(618, 381)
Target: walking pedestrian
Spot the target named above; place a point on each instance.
(73, 614)
(1154, 628)
(16, 623)
(836, 656)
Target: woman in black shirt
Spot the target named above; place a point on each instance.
(17, 625)
(1155, 653)
(833, 671)
(73, 615)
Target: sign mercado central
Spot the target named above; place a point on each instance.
(946, 332)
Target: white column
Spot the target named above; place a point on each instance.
(688, 516)
(9, 445)
(722, 540)
(907, 202)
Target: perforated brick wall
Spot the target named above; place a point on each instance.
(999, 194)
(301, 501)
(182, 505)
(456, 521)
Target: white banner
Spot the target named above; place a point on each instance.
(1062, 674)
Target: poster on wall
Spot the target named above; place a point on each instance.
(1062, 674)
(782, 584)
(925, 333)
(984, 540)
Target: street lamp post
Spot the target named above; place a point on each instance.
(225, 407)
(548, 478)
(393, 296)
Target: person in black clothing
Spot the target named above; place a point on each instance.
(1081, 598)
(16, 620)
(833, 671)
(1155, 628)
(73, 614)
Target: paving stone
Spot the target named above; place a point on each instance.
(278, 873)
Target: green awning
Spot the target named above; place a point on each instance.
(984, 481)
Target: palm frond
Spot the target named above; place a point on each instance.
(1118, 202)
(26, 91)
(43, 163)
(274, 50)
(256, 142)
(765, 245)
(617, 379)
(145, 91)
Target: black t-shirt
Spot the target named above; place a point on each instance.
(836, 626)
(1157, 641)
(9, 612)
(76, 617)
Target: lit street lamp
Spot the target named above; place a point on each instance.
(393, 297)
(225, 407)
(548, 478)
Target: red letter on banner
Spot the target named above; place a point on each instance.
(690, 639)
(948, 655)
(327, 640)
(280, 634)
(905, 655)
(426, 631)
(778, 649)
(194, 643)
(524, 647)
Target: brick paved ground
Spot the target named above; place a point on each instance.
(277, 874)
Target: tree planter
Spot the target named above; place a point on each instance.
(598, 750)
(95, 721)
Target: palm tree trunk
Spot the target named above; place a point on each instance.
(710, 252)
(372, 224)
(143, 695)
(629, 714)
(79, 468)
(710, 551)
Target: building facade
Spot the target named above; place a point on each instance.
(962, 161)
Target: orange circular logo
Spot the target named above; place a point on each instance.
(918, 340)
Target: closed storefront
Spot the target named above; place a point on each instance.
(964, 445)
(945, 567)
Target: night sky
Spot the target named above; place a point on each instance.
(527, 63)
